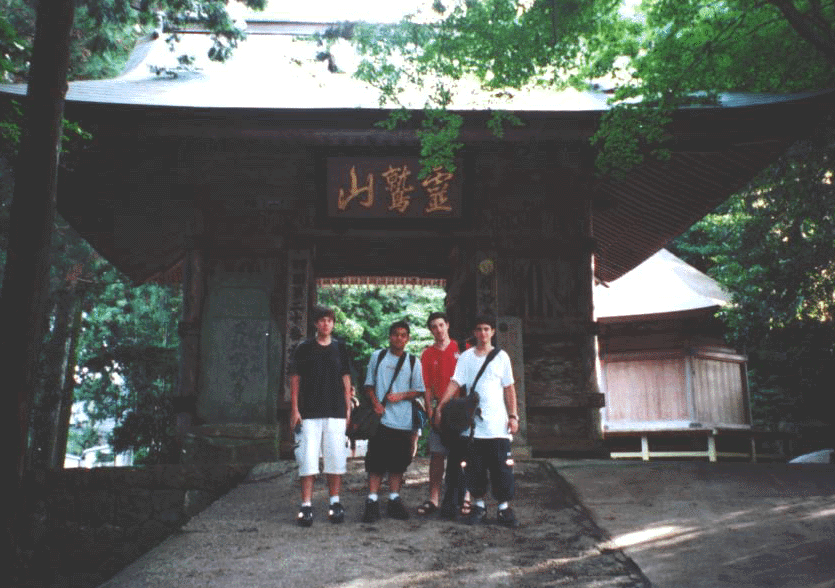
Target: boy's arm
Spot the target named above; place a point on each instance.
(372, 395)
(428, 392)
(370, 388)
(295, 416)
(346, 383)
(512, 409)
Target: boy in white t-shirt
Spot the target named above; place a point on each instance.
(496, 420)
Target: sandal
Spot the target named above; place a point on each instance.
(466, 508)
(427, 508)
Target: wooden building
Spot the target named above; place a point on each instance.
(673, 386)
(262, 175)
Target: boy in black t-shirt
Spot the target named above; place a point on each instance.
(320, 387)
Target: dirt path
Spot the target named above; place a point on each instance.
(249, 539)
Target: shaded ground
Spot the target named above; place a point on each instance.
(249, 538)
(721, 525)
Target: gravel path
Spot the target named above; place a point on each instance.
(249, 539)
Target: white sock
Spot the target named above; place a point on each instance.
(504, 505)
(308, 503)
(480, 504)
(373, 497)
(394, 496)
(334, 499)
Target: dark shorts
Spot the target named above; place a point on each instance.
(390, 450)
(490, 458)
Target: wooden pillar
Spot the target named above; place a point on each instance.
(509, 334)
(189, 328)
(487, 303)
(299, 290)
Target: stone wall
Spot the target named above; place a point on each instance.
(83, 525)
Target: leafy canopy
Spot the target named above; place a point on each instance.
(652, 57)
(364, 314)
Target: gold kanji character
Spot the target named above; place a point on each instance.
(368, 189)
(398, 188)
(437, 186)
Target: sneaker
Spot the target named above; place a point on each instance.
(396, 510)
(336, 514)
(506, 518)
(477, 515)
(305, 518)
(372, 511)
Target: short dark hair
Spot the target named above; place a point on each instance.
(436, 315)
(320, 312)
(399, 325)
(485, 320)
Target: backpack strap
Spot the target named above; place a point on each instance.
(394, 377)
(493, 353)
(377, 367)
(477, 413)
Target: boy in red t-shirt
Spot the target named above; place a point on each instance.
(438, 362)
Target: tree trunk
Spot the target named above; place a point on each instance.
(64, 412)
(51, 408)
(30, 233)
(45, 403)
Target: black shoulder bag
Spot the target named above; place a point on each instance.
(459, 413)
(364, 419)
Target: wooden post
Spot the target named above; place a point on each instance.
(509, 335)
(299, 290)
(711, 446)
(190, 329)
(689, 392)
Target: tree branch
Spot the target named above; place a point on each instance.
(822, 36)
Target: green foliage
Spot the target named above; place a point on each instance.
(128, 364)
(627, 134)
(438, 134)
(14, 49)
(692, 50)
(149, 430)
(364, 314)
(83, 436)
(499, 44)
(499, 118)
(670, 53)
(105, 32)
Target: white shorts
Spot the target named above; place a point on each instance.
(325, 437)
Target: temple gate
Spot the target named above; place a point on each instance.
(254, 194)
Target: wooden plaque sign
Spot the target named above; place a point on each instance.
(389, 188)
